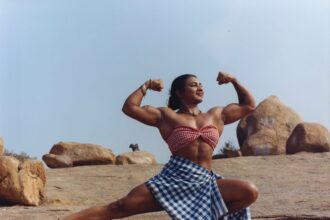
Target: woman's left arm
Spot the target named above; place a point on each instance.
(236, 111)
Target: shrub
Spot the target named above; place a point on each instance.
(21, 156)
(228, 146)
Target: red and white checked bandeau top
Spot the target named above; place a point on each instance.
(181, 136)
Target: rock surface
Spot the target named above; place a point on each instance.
(266, 130)
(21, 183)
(309, 137)
(282, 195)
(68, 154)
(136, 157)
(2, 147)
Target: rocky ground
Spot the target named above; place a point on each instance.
(290, 187)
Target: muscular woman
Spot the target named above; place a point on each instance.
(186, 188)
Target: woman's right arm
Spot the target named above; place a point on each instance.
(146, 114)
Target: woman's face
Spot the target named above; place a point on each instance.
(193, 91)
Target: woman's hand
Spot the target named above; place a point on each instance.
(224, 78)
(155, 85)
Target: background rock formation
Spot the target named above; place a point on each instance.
(2, 147)
(68, 154)
(266, 130)
(21, 183)
(309, 137)
(136, 157)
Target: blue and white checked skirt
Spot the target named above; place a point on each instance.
(188, 191)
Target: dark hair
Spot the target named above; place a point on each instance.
(177, 84)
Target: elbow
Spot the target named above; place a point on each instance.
(128, 109)
(251, 104)
(252, 107)
(125, 109)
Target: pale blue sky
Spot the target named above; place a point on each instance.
(66, 67)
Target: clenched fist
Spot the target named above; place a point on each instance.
(224, 78)
(155, 85)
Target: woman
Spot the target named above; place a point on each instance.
(186, 188)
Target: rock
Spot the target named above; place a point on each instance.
(266, 130)
(2, 147)
(57, 161)
(309, 137)
(68, 154)
(21, 183)
(135, 157)
(263, 142)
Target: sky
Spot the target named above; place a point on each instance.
(66, 67)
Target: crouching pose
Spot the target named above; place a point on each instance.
(186, 188)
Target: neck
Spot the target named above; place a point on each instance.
(190, 109)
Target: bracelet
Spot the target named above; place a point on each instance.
(149, 83)
(144, 89)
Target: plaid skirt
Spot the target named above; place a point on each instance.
(188, 191)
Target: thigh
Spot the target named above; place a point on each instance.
(233, 190)
(139, 200)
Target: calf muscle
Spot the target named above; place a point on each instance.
(138, 201)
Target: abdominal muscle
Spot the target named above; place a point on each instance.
(198, 152)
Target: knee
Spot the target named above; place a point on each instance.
(252, 193)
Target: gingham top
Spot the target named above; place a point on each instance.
(181, 136)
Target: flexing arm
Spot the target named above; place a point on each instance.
(234, 111)
(147, 114)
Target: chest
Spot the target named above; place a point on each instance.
(200, 121)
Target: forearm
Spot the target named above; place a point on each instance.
(135, 99)
(244, 96)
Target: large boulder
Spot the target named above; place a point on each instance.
(266, 130)
(135, 157)
(310, 137)
(2, 147)
(68, 154)
(21, 182)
